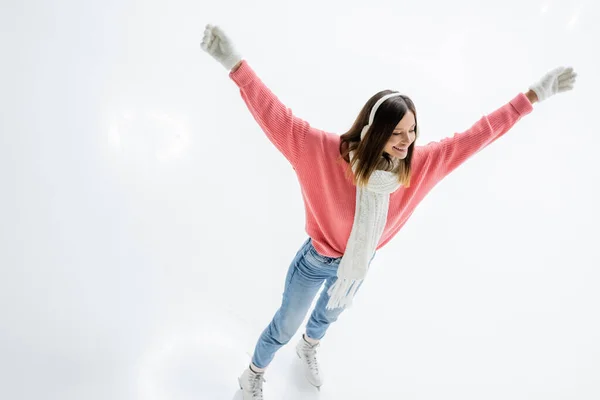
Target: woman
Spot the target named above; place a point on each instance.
(359, 189)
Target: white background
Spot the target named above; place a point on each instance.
(147, 224)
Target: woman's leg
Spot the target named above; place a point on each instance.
(321, 318)
(304, 279)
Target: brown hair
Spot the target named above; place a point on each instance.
(369, 151)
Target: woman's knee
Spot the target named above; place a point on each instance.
(287, 325)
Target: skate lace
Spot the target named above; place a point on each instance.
(311, 359)
(256, 381)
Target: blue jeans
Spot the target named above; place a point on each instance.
(305, 277)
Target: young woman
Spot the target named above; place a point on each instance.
(359, 189)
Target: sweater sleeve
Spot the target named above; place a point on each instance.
(446, 155)
(286, 131)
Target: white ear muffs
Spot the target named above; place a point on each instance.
(374, 110)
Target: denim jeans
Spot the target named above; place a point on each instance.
(305, 276)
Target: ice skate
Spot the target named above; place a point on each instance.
(308, 355)
(251, 384)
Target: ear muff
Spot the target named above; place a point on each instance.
(374, 110)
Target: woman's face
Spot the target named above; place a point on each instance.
(404, 135)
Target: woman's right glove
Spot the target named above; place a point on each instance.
(556, 81)
(217, 44)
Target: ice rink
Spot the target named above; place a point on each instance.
(147, 223)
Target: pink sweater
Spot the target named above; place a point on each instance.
(329, 197)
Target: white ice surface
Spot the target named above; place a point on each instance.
(147, 224)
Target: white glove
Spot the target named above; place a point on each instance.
(218, 45)
(556, 81)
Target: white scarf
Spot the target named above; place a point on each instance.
(370, 217)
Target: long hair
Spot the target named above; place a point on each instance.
(370, 154)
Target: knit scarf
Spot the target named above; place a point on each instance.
(370, 217)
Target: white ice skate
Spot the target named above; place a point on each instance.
(308, 355)
(251, 385)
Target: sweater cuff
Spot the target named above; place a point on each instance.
(243, 75)
(522, 104)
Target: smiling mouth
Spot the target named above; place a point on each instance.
(400, 149)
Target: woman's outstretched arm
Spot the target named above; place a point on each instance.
(286, 131)
(443, 157)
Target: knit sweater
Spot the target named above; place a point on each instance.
(329, 196)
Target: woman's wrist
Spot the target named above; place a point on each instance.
(236, 66)
(531, 96)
